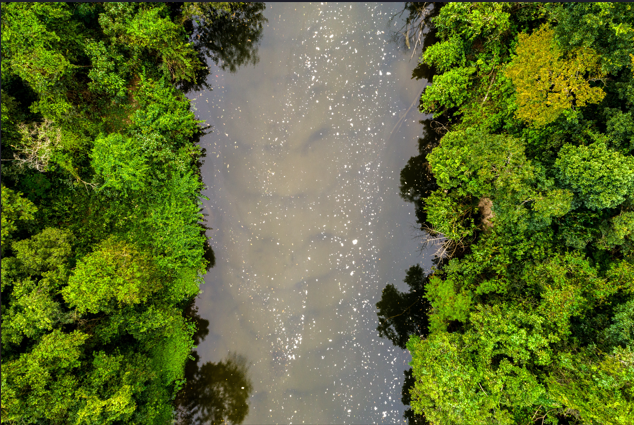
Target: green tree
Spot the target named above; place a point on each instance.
(15, 209)
(115, 274)
(101, 239)
(548, 84)
(603, 178)
(531, 293)
(40, 384)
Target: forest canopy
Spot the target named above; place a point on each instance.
(527, 188)
(103, 246)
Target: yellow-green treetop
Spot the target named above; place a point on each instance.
(547, 82)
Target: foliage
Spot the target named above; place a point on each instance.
(115, 271)
(584, 382)
(602, 177)
(475, 163)
(546, 84)
(529, 191)
(605, 27)
(101, 205)
(40, 383)
(450, 89)
(15, 209)
(119, 162)
(470, 56)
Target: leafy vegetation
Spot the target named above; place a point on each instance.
(528, 191)
(102, 243)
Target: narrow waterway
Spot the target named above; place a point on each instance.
(302, 174)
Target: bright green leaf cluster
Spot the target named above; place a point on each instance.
(602, 177)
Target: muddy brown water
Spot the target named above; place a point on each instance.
(302, 174)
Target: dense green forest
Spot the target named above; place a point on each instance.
(103, 246)
(525, 185)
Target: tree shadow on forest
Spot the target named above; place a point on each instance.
(214, 393)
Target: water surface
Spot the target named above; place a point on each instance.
(302, 174)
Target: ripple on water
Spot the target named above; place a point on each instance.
(302, 176)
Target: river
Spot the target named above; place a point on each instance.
(302, 174)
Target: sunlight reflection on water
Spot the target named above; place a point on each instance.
(302, 171)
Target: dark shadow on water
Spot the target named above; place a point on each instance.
(229, 35)
(214, 393)
(230, 38)
(417, 181)
(411, 417)
(402, 314)
(209, 253)
(416, 34)
(424, 71)
(209, 256)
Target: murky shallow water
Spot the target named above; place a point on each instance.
(302, 171)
